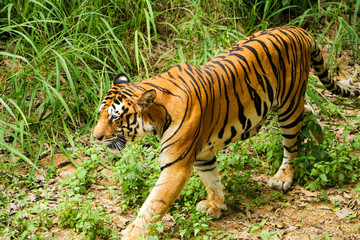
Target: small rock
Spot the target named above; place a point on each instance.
(347, 196)
(337, 198)
(51, 181)
(33, 197)
(39, 178)
(291, 229)
(343, 213)
(324, 207)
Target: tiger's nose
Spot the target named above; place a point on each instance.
(99, 138)
(103, 129)
(98, 133)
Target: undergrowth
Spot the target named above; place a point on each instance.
(56, 64)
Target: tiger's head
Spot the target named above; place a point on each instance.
(122, 114)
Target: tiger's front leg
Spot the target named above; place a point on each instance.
(208, 172)
(168, 187)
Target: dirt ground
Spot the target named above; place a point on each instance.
(298, 214)
(303, 216)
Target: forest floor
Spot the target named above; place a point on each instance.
(296, 214)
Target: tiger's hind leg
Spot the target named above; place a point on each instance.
(290, 121)
(208, 172)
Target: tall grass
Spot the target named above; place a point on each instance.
(341, 17)
(59, 58)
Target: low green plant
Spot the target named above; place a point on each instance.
(257, 226)
(330, 163)
(83, 177)
(83, 215)
(265, 235)
(325, 237)
(26, 223)
(136, 171)
(236, 167)
(191, 223)
(278, 196)
(268, 146)
(261, 200)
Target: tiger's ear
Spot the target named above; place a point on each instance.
(119, 79)
(146, 99)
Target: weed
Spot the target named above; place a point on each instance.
(83, 176)
(330, 163)
(21, 222)
(191, 222)
(278, 196)
(233, 165)
(79, 213)
(257, 226)
(130, 171)
(265, 235)
(268, 146)
(325, 237)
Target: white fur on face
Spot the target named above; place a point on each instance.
(114, 111)
(101, 106)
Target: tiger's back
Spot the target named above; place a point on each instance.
(228, 97)
(196, 111)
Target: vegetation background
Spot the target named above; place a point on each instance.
(57, 59)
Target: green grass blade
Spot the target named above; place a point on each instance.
(61, 99)
(67, 72)
(19, 154)
(8, 108)
(19, 110)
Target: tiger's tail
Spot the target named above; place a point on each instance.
(317, 62)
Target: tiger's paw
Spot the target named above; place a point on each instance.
(212, 208)
(280, 184)
(135, 231)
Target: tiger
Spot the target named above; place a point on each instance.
(196, 111)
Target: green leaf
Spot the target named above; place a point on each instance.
(323, 177)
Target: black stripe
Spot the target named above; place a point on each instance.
(233, 134)
(289, 136)
(221, 132)
(205, 170)
(290, 150)
(316, 63)
(206, 163)
(169, 164)
(323, 75)
(293, 123)
(164, 90)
